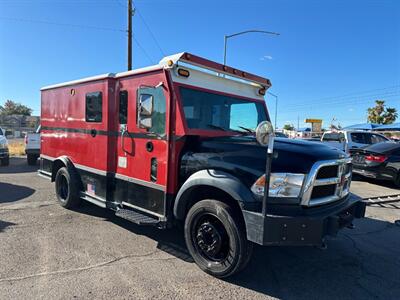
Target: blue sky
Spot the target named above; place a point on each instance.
(332, 59)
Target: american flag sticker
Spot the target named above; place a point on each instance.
(91, 189)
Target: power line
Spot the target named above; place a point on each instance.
(347, 100)
(63, 24)
(147, 27)
(144, 51)
(151, 33)
(80, 26)
(337, 103)
(350, 96)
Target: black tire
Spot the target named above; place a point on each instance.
(397, 181)
(67, 188)
(32, 159)
(5, 161)
(216, 238)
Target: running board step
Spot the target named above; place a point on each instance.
(137, 217)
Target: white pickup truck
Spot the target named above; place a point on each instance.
(4, 154)
(347, 140)
(32, 146)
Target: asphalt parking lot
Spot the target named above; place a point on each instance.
(49, 252)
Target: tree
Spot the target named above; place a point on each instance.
(380, 114)
(13, 108)
(288, 127)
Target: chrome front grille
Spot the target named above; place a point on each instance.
(328, 181)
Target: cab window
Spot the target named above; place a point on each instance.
(359, 138)
(376, 138)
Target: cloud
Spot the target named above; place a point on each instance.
(351, 109)
(266, 57)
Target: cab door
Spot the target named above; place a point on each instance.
(141, 167)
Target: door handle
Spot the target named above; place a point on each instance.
(123, 132)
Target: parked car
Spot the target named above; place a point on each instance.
(380, 161)
(4, 153)
(280, 134)
(32, 146)
(347, 140)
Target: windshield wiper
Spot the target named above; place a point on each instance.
(247, 129)
(238, 131)
(216, 127)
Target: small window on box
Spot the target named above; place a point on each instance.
(94, 107)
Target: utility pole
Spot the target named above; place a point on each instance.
(130, 11)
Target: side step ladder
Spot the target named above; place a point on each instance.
(138, 218)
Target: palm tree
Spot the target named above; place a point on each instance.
(390, 115)
(379, 114)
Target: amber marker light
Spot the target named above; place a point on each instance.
(261, 91)
(170, 63)
(183, 72)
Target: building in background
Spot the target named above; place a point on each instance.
(18, 125)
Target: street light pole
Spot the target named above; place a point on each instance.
(226, 37)
(276, 106)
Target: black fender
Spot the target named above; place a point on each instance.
(215, 178)
(60, 162)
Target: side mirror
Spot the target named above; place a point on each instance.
(146, 106)
(264, 133)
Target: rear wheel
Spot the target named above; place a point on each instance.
(397, 181)
(5, 161)
(32, 159)
(67, 192)
(216, 238)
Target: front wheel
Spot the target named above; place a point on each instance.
(216, 238)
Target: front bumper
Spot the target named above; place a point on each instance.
(305, 230)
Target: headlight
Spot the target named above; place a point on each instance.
(280, 185)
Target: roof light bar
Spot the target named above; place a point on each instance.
(214, 66)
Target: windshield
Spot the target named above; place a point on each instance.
(204, 110)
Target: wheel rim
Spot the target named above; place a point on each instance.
(62, 188)
(210, 238)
